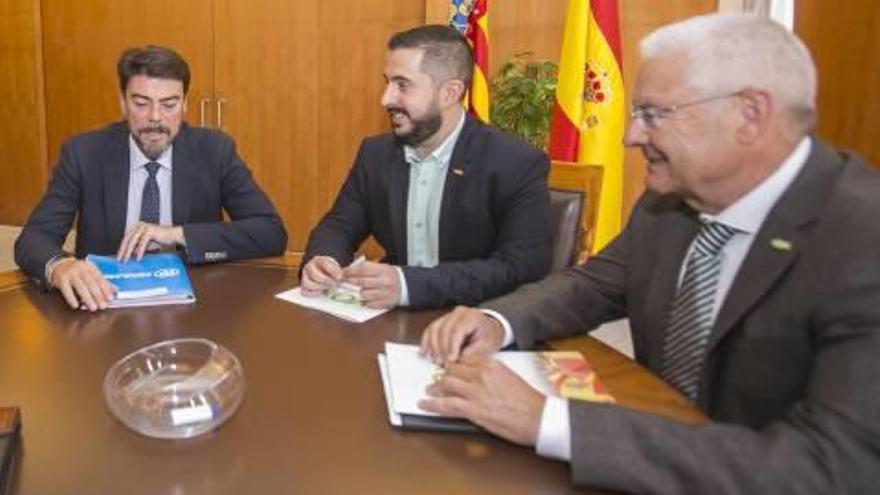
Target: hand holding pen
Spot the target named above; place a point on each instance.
(380, 283)
(322, 273)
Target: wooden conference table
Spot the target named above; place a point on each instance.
(313, 419)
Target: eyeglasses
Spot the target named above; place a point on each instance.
(651, 117)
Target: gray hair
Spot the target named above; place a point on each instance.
(726, 53)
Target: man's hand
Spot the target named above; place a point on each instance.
(81, 282)
(137, 239)
(379, 283)
(489, 394)
(462, 332)
(321, 272)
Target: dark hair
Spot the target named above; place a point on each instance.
(152, 61)
(447, 54)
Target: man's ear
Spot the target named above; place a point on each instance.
(452, 91)
(122, 107)
(756, 110)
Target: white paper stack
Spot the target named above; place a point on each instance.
(405, 376)
(349, 311)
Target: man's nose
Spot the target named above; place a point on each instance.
(388, 96)
(636, 134)
(154, 113)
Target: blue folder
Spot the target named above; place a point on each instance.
(154, 280)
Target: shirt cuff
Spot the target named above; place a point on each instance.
(554, 433)
(403, 300)
(508, 331)
(50, 267)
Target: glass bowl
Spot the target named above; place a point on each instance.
(176, 388)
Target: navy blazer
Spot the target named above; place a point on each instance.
(90, 183)
(791, 374)
(493, 219)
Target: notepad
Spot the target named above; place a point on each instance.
(338, 304)
(405, 376)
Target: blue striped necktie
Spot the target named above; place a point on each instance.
(150, 197)
(691, 320)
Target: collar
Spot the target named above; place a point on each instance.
(443, 153)
(748, 213)
(137, 159)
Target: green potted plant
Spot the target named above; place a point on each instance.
(522, 98)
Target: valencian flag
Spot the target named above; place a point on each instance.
(589, 114)
(471, 18)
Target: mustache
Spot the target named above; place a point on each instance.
(396, 111)
(154, 128)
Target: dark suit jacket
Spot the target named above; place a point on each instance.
(791, 381)
(493, 220)
(90, 183)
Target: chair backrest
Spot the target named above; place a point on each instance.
(565, 227)
(586, 178)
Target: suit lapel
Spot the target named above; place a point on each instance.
(181, 177)
(762, 266)
(117, 170)
(781, 238)
(457, 174)
(398, 191)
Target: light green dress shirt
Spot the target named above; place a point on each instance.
(427, 177)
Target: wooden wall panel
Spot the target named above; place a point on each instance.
(321, 70)
(526, 26)
(303, 89)
(515, 26)
(845, 42)
(302, 86)
(82, 42)
(22, 126)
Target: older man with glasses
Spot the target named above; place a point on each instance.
(750, 274)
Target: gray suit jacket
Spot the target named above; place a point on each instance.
(791, 381)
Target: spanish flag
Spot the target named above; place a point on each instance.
(471, 18)
(589, 114)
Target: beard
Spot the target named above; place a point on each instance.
(420, 129)
(150, 149)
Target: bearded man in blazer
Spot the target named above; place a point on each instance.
(783, 347)
(460, 209)
(102, 176)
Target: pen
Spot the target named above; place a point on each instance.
(343, 291)
(351, 287)
(345, 286)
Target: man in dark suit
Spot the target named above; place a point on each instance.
(460, 209)
(751, 277)
(149, 182)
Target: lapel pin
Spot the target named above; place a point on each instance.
(780, 244)
(457, 171)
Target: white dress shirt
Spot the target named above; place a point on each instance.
(138, 177)
(746, 215)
